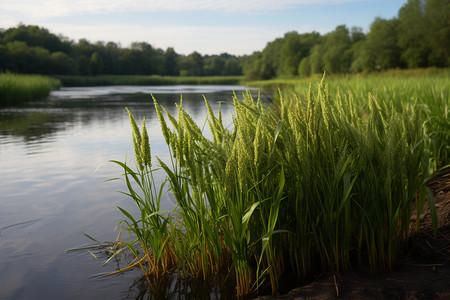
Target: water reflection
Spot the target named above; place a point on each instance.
(170, 287)
(50, 151)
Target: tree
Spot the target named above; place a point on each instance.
(96, 64)
(232, 67)
(194, 64)
(214, 65)
(62, 63)
(35, 36)
(316, 59)
(295, 47)
(6, 61)
(336, 56)
(84, 68)
(27, 59)
(412, 34)
(437, 22)
(171, 62)
(381, 50)
(304, 68)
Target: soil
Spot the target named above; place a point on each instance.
(423, 274)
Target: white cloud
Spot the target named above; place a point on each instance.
(60, 8)
(185, 39)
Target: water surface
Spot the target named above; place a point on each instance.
(53, 160)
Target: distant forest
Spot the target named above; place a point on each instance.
(418, 37)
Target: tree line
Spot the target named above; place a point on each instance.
(31, 49)
(418, 37)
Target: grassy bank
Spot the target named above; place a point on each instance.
(324, 179)
(15, 88)
(397, 88)
(103, 80)
(374, 78)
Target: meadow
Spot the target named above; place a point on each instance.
(325, 178)
(15, 88)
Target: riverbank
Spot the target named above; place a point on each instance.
(106, 80)
(424, 273)
(16, 88)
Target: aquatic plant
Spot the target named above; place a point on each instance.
(16, 88)
(314, 181)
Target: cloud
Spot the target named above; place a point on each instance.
(185, 39)
(59, 8)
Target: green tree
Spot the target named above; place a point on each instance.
(304, 68)
(437, 22)
(295, 47)
(27, 59)
(194, 64)
(381, 50)
(251, 66)
(6, 61)
(96, 64)
(316, 59)
(336, 56)
(412, 32)
(171, 62)
(232, 67)
(35, 36)
(84, 68)
(62, 63)
(213, 65)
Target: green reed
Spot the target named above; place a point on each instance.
(16, 88)
(317, 180)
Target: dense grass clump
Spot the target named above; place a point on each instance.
(105, 80)
(15, 88)
(399, 89)
(313, 182)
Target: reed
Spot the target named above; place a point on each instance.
(317, 180)
(16, 88)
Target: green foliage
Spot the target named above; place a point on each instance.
(317, 179)
(381, 50)
(418, 38)
(304, 68)
(412, 33)
(18, 88)
(34, 50)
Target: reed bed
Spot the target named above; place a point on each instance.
(315, 181)
(16, 88)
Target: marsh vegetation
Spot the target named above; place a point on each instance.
(15, 88)
(324, 178)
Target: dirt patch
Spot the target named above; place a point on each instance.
(423, 274)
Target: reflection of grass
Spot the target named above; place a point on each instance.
(322, 181)
(104, 80)
(32, 124)
(15, 88)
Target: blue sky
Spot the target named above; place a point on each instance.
(208, 26)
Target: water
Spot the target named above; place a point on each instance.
(53, 160)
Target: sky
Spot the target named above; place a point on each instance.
(237, 27)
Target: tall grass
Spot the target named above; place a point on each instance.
(316, 182)
(428, 88)
(15, 88)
